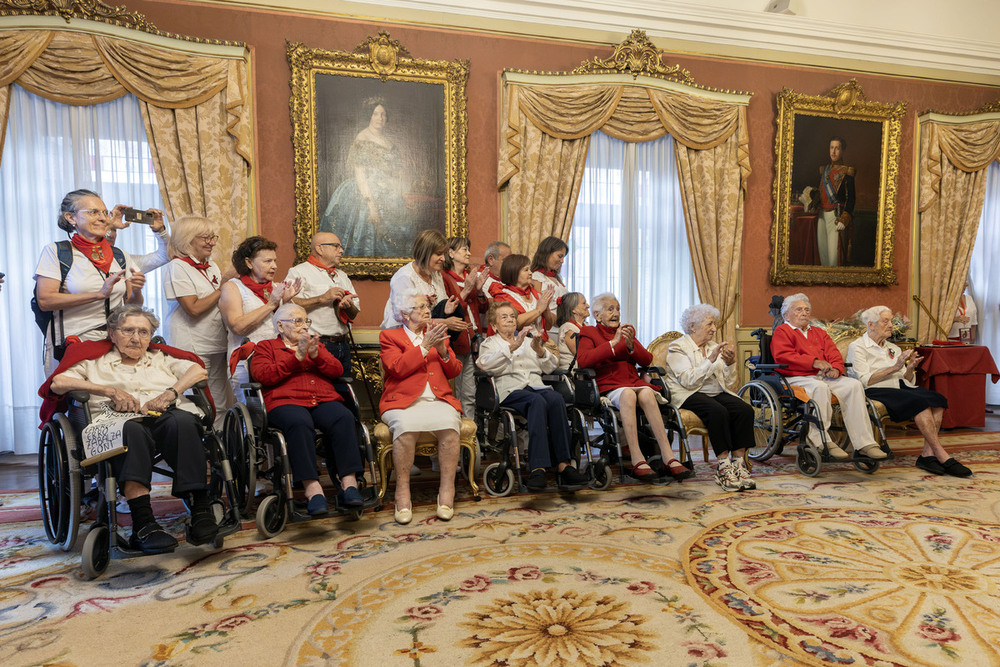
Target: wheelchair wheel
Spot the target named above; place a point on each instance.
(866, 465)
(767, 420)
(808, 460)
(271, 516)
(240, 446)
(96, 551)
(602, 477)
(498, 485)
(58, 484)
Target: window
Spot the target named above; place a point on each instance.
(984, 274)
(51, 149)
(628, 234)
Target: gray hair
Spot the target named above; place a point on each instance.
(601, 301)
(283, 311)
(792, 298)
(874, 314)
(69, 204)
(695, 315)
(493, 250)
(123, 312)
(403, 303)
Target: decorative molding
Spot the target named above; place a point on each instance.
(636, 55)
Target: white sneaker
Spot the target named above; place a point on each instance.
(836, 452)
(873, 452)
(726, 476)
(743, 475)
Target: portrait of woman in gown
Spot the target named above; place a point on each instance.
(367, 210)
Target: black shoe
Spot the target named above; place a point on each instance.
(955, 469)
(536, 480)
(203, 527)
(350, 497)
(571, 479)
(317, 505)
(931, 465)
(152, 539)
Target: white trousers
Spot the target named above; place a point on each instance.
(851, 395)
(827, 238)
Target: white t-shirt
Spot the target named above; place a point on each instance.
(83, 277)
(263, 331)
(316, 282)
(970, 312)
(565, 356)
(408, 278)
(545, 281)
(202, 335)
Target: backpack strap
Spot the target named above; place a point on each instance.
(64, 253)
(119, 256)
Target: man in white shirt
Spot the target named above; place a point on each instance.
(966, 319)
(328, 295)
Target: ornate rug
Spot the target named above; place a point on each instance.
(894, 568)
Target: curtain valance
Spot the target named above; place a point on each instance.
(969, 147)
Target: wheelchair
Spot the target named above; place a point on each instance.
(497, 430)
(62, 478)
(259, 452)
(784, 414)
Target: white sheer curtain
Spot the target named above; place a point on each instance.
(984, 274)
(51, 149)
(628, 234)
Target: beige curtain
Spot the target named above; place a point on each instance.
(544, 148)
(952, 188)
(194, 107)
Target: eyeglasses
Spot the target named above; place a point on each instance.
(298, 321)
(93, 212)
(335, 245)
(131, 331)
(208, 238)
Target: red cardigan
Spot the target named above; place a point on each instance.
(790, 347)
(288, 381)
(408, 370)
(615, 367)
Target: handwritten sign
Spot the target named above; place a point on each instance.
(103, 437)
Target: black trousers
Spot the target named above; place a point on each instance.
(548, 428)
(175, 434)
(340, 439)
(728, 418)
(341, 350)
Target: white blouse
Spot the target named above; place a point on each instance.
(408, 278)
(514, 370)
(868, 357)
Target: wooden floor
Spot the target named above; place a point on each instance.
(20, 472)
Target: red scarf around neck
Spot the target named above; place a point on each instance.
(203, 268)
(99, 253)
(460, 279)
(315, 262)
(523, 291)
(262, 290)
(550, 273)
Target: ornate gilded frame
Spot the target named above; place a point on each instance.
(377, 62)
(846, 111)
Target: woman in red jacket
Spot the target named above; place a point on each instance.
(297, 372)
(417, 398)
(610, 348)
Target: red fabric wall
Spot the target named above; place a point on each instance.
(266, 33)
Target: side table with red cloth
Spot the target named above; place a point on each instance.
(958, 372)
(802, 245)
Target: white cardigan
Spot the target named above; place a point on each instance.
(688, 369)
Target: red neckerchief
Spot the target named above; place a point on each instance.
(315, 262)
(99, 253)
(457, 278)
(202, 267)
(549, 272)
(262, 290)
(525, 291)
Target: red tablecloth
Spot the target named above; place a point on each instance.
(802, 247)
(958, 372)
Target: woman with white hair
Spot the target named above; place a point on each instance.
(417, 397)
(611, 349)
(887, 374)
(698, 373)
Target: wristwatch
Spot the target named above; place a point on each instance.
(176, 395)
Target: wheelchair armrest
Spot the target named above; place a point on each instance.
(769, 367)
(480, 373)
(585, 373)
(198, 397)
(344, 379)
(78, 395)
(251, 385)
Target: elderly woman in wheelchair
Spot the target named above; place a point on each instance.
(814, 363)
(417, 398)
(127, 376)
(887, 373)
(698, 372)
(297, 374)
(517, 367)
(611, 349)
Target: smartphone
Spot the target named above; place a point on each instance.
(139, 216)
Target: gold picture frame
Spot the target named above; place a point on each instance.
(834, 222)
(377, 177)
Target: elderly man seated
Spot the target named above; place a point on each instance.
(611, 349)
(129, 375)
(815, 364)
(887, 373)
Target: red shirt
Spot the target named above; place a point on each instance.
(288, 381)
(789, 346)
(408, 370)
(615, 367)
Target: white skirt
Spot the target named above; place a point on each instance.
(615, 395)
(425, 414)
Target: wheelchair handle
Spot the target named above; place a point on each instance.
(79, 395)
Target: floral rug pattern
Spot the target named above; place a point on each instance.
(895, 568)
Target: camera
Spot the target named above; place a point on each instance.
(139, 216)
